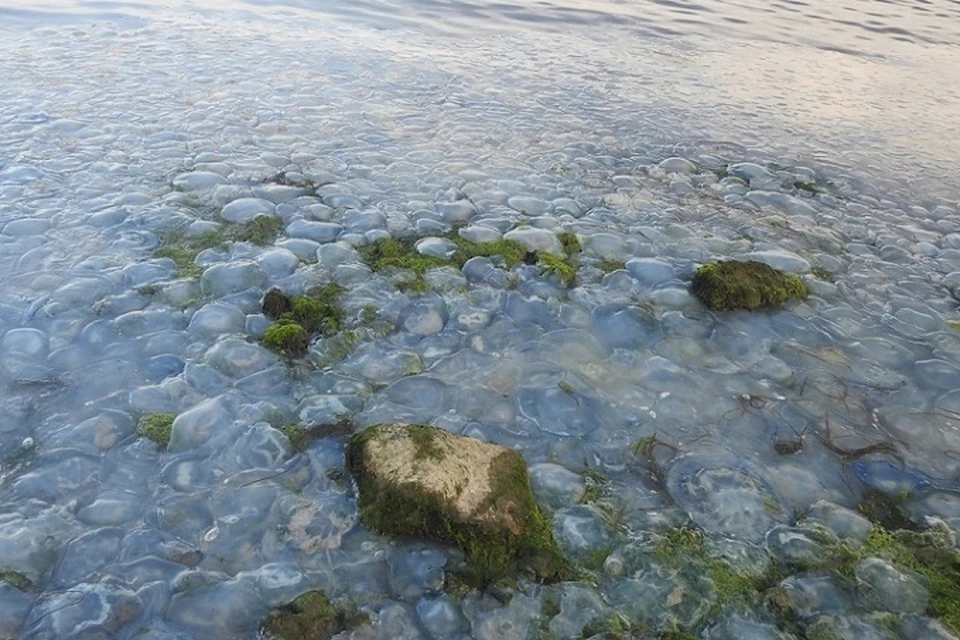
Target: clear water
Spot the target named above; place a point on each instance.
(619, 122)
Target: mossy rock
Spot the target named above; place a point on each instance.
(564, 270)
(570, 242)
(733, 284)
(421, 481)
(319, 311)
(287, 338)
(275, 303)
(157, 427)
(309, 616)
(16, 579)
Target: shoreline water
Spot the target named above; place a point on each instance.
(129, 287)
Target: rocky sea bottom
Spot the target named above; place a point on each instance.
(781, 473)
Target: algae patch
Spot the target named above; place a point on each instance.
(312, 616)
(16, 579)
(299, 318)
(732, 284)
(609, 266)
(416, 480)
(156, 427)
(183, 248)
(401, 254)
(287, 338)
(564, 270)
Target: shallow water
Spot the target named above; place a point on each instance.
(819, 137)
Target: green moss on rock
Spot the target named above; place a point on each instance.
(931, 555)
(395, 253)
(309, 616)
(300, 317)
(608, 266)
(733, 284)
(183, 248)
(319, 312)
(156, 427)
(571, 245)
(287, 338)
(16, 579)
(261, 231)
(298, 436)
(564, 270)
(275, 303)
(512, 252)
(473, 495)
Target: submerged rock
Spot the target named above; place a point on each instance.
(733, 284)
(309, 616)
(423, 481)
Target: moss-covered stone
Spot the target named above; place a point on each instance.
(426, 482)
(319, 312)
(156, 427)
(184, 259)
(298, 436)
(931, 555)
(606, 265)
(733, 284)
(309, 616)
(885, 510)
(287, 338)
(571, 245)
(275, 303)
(16, 579)
(300, 317)
(261, 231)
(564, 270)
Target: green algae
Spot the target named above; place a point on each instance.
(511, 251)
(184, 259)
(492, 552)
(275, 303)
(571, 245)
(393, 253)
(953, 324)
(732, 284)
(16, 579)
(809, 187)
(320, 311)
(301, 317)
(885, 510)
(931, 555)
(183, 248)
(298, 436)
(156, 427)
(608, 266)
(310, 616)
(564, 270)
(425, 440)
(401, 254)
(261, 231)
(287, 338)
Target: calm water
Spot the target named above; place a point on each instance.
(664, 134)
